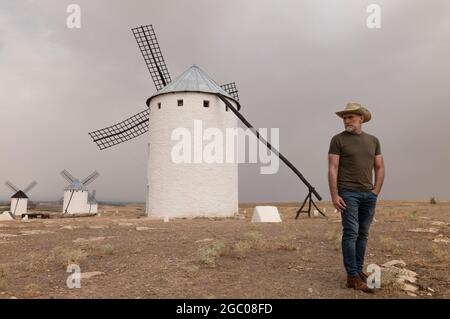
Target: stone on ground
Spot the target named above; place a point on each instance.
(87, 275)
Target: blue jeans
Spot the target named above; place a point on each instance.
(356, 220)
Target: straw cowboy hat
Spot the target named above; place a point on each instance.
(356, 108)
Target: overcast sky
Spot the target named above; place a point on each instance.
(295, 64)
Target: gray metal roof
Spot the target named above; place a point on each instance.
(76, 186)
(193, 79)
(19, 194)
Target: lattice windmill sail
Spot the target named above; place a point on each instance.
(137, 124)
(182, 190)
(19, 199)
(148, 44)
(121, 132)
(76, 194)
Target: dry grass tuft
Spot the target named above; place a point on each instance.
(2, 276)
(288, 243)
(191, 269)
(252, 235)
(32, 289)
(306, 235)
(251, 240)
(64, 256)
(440, 254)
(390, 245)
(307, 255)
(413, 214)
(2, 271)
(242, 247)
(335, 237)
(255, 241)
(99, 250)
(209, 254)
(338, 241)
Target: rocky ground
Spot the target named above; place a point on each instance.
(123, 254)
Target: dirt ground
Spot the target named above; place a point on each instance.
(138, 257)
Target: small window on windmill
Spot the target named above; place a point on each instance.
(159, 105)
(226, 108)
(205, 103)
(180, 102)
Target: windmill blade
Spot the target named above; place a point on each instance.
(90, 178)
(30, 187)
(94, 192)
(11, 186)
(121, 132)
(231, 89)
(148, 44)
(67, 176)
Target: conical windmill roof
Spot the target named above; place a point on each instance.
(193, 79)
(76, 186)
(19, 194)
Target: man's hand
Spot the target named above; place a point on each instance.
(339, 203)
(379, 174)
(333, 165)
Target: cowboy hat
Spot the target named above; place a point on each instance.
(356, 108)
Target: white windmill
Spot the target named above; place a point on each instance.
(19, 199)
(185, 189)
(92, 202)
(180, 190)
(76, 193)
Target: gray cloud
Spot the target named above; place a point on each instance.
(295, 63)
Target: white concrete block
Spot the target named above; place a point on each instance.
(266, 214)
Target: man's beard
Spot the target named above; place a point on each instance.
(350, 129)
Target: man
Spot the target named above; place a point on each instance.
(352, 157)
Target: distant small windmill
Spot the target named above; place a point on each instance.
(92, 202)
(76, 193)
(19, 200)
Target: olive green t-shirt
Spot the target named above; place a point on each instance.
(356, 162)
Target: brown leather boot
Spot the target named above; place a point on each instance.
(357, 284)
(363, 277)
